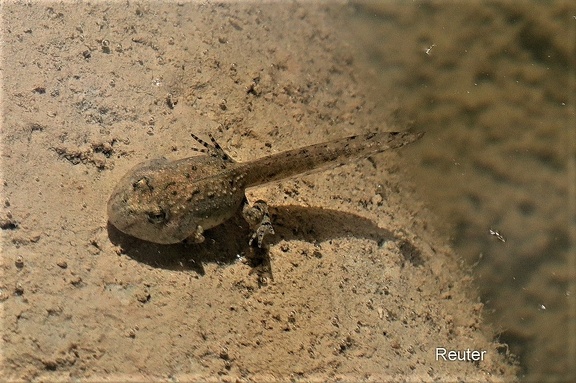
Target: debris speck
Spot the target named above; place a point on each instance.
(497, 235)
(429, 49)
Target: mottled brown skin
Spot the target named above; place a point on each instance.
(167, 202)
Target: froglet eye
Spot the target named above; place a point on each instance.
(157, 216)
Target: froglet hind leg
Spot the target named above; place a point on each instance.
(259, 220)
(213, 150)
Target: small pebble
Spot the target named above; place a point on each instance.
(18, 289)
(19, 262)
(132, 333)
(377, 199)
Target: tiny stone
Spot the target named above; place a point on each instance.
(50, 365)
(224, 354)
(18, 289)
(143, 297)
(19, 262)
(62, 264)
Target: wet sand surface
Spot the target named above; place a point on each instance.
(494, 85)
(357, 284)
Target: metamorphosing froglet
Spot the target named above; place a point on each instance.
(167, 202)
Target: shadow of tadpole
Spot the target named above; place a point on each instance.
(315, 224)
(227, 243)
(224, 244)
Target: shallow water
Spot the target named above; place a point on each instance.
(493, 86)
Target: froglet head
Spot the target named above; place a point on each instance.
(137, 206)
